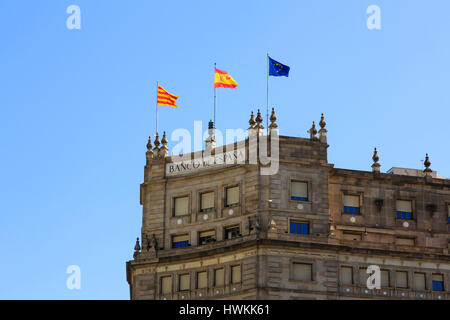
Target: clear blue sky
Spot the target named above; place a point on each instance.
(77, 107)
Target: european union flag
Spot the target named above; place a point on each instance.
(278, 69)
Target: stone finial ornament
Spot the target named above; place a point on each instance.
(137, 246)
(272, 225)
(427, 164)
(273, 119)
(210, 142)
(164, 151)
(313, 131)
(322, 131)
(259, 120)
(322, 122)
(375, 166)
(149, 144)
(149, 153)
(157, 143)
(252, 121)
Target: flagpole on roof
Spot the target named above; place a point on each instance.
(157, 85)
(214, 84)
(267, 113)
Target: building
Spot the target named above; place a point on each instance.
(212, 230)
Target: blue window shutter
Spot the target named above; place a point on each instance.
(305, 228)
(292, 227)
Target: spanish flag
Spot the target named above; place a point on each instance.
(166, 99)
(224, 80)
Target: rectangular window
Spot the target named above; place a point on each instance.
(299, 228)
(232, 196)
(419, 281)
(299, 191)
(401, 279)
(205, 237)
(185, 282)
(219, 277)
(404, 209)
(181, 206)
(405, 241)
(232, 232)
(206, 201)
(202, 280)
(346, 275)
(235, 274)
(363, 275)
(438, 282)
(302, 271)
(181, 241)
(166, 285)
(351, 204)
(352, 236)
(385, 278)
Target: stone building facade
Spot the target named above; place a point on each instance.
(213, 230)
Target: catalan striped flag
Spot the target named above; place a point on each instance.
(165, 98)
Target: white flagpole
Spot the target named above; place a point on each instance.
(157, 85)
(267, 113)
(214, 83)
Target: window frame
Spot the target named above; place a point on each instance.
(412, 213)
(304, 262)
(225, 233)
(179, 282)
(231, 274)
(174, 206)
(436, 283)
(197, 277)
(225, 202)
(169, 276)
(187, 245)
(200, 201)
(301, 222)
(424, 281)
(407, 279)
(359, 208)
(308, 193)
(388, 279)
(199, 242)
(352, 281)
(215, 277)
